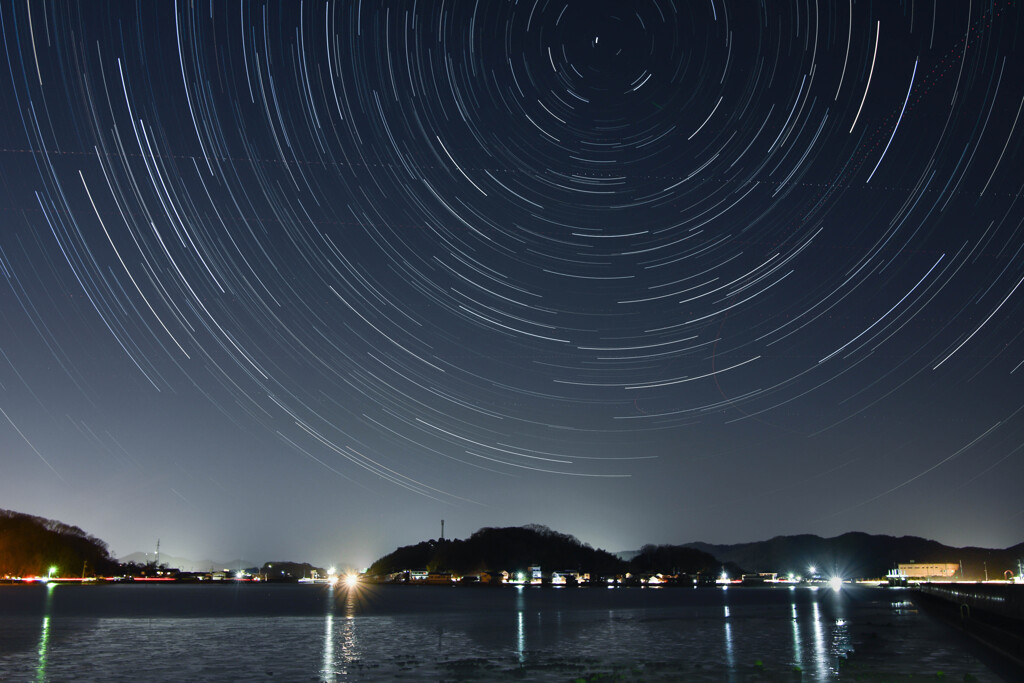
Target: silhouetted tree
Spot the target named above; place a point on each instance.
(290, 571)
(673, 559)
(30, 546)
(510, 548)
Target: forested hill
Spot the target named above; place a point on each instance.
(30, 546)
(859, 554)
(516, 548)
(510, 548)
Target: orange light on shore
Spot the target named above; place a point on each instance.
(351, 580)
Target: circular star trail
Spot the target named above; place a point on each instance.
(470, 247)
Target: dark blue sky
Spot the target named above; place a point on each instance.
(299, 280)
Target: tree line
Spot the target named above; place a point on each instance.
(31, 546)
(516, 548)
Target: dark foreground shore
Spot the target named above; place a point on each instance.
(892, 623)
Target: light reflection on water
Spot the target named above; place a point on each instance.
(841, 643)
(820, 665)
(327, 670)
(396, 633)
(343, 635)
(798, 650)
(44, 634)
(521, 627)
(730, 658)
(902, 606)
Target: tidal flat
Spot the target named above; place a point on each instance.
(378, 633)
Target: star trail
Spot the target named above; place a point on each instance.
(641, 271)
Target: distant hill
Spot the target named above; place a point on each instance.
(185, 564)
(514, 549)
(510, 548)
(679, 559)
(30, 546)
(283, 570)
(858, 554)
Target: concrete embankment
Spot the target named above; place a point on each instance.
(990, 614)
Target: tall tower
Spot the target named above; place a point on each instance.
(442, 529)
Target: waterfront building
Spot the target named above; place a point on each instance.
(929, 570)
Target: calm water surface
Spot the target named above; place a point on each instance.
(251, 632)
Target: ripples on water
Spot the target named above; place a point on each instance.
(315, 633)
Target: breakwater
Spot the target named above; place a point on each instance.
(990, 614)
(1001, 599)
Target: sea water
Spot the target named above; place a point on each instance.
(282, 632)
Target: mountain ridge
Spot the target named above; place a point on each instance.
(859, 554)
(186, 564)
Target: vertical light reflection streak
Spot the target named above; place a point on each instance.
(349, 651)
(521, 626)
(820, 663)
(798, 650)
(730, 659)
(44, 635)
(327, 672)
(840, 633)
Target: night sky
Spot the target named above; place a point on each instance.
(299, 280)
